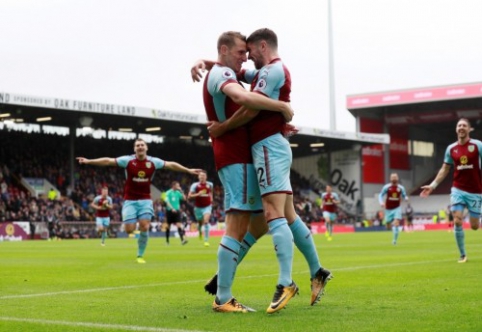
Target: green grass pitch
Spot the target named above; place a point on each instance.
(77, 285)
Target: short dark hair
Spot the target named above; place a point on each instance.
(269, 36)
(466, 120)
(228, 38)
(139, 140)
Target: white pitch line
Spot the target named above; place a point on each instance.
(90, 290)
(98, 289)
(354, 268)
(94, 325)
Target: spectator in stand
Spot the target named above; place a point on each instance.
(52, 194)
(4, 191)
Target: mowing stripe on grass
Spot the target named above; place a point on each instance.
(94, 325)
(90, 290)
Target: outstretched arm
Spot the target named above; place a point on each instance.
(97, 162)
(173, 166)
(442, 173)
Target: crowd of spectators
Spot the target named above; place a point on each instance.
(48, 156)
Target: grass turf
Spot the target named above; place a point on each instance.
(77, 285)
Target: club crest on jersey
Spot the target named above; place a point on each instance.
(471, 148)
(141, 174)
(227, 74)
(148, 164)
(261, 85)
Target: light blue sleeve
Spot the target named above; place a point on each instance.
(270, 79)
(404, 193)
(479, 146)
(447, 157)
(123, 161)
(158, 162)
(218, 77)
(249, 75)
(193, 187)
(211, 185)
(109, 199)
(382, 194)
(96, 200)
(337, 197)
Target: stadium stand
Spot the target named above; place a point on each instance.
(47, 156)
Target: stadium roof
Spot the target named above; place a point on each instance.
(423, 109)
(79, 113)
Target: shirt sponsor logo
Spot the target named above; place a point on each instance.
(462, 167)
(463, 161)
(141, 177)
(394, 196)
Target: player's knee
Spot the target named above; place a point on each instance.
(458, 220)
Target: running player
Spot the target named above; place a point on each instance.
(466, 193)
(393, 193)
(202, 192)
(330, 202)
(139, 170)
(102, 204)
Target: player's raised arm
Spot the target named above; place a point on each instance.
(174, 166)
(97, 162)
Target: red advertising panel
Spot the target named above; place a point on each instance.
(399, 158)
(373, 165)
